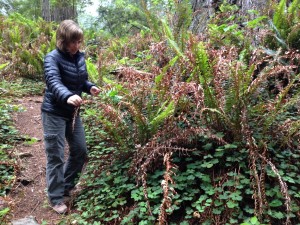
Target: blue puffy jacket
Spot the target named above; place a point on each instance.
(64, 76)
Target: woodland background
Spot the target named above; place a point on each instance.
(198, 117)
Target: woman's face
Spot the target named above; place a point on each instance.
(74, 47)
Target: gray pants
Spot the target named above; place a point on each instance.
(61, 176)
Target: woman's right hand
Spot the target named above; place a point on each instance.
(75, 100)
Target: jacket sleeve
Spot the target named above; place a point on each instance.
(87, 86)
(53, 80)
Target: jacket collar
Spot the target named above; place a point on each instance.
(67, 55)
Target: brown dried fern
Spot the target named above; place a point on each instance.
(75, 114)
(283, 188)
(258, 182)
(253, 159)
(168, 191)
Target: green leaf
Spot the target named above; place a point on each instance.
(254, 23)
(236, 196)
(184, 223)
(217, 211)
(231, 204)
(4, 212)
(275, 203)
(218, 203)
(253, 220)
(207, 165)
(276, 214)
(2, 66)
(230, 146)
(231, 27)
(210, 192)
(207, 146)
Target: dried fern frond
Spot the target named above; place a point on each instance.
(289, 131)
(168, 191)
(283, 188)
(75, 114)
(130, 74)
(258, 183)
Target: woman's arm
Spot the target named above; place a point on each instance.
(53, 80)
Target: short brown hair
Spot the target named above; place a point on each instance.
(67, 32)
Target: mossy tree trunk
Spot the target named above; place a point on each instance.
(204, 9)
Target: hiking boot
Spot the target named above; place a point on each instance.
(60, 208)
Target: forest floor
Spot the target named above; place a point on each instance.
(29, 193)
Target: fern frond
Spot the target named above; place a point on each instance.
(92, 71)
(293, 11)
(203, 73)
(289, 133)
(162, 114)
(159, 77)
(257, 185)
(294, 129)
(279, 105)
(283, 94)
(114, 124)
(139, 122)
(283, 188)
(168, 192)
(278, 35)
(279, 14)
(224, 116)
(171, 39)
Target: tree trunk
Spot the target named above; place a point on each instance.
(63, 10)
(46, 10)
(62, 13)
(246, 5)
(204, 9)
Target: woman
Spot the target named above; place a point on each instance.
(66, 78)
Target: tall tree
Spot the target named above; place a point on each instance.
(67, 9)
(46, 10)
(64, 9)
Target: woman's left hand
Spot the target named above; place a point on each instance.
(94, 91)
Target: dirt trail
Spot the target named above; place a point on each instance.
(29, 194)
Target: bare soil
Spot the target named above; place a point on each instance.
(29, 193)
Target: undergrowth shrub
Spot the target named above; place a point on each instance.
(208, 135)
(24, 43)
(126, 51)
(283, 25)
(186, 130)
(8, 167)
(209, 138)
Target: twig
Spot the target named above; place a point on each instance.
(35, 207)
(74, 117)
